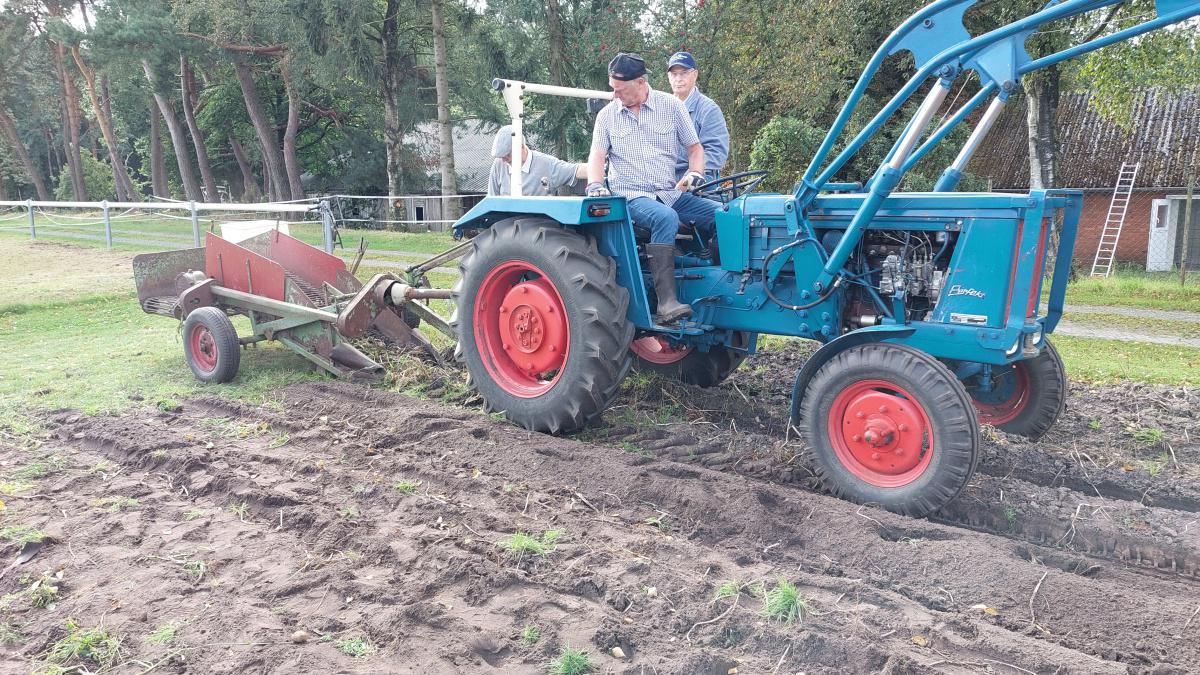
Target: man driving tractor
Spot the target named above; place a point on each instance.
(640, 134)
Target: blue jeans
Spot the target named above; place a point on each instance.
(663, 221)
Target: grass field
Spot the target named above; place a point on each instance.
(178, 232)
(1138, 289)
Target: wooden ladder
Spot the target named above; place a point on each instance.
(1106, 252)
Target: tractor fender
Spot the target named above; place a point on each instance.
(832, 349)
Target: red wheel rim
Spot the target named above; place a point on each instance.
(880, 433)
(657, 349)
(521, 329)
(204, 348)
(1008, 398)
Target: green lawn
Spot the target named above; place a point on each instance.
(105, 354)
(1102, 361)
(59, 228)
(1147, 290)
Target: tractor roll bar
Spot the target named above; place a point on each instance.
(514, 92)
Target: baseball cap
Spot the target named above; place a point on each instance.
(502, 143)
(626, 67)
(682, 59)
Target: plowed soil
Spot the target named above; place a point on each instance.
(1077, 554)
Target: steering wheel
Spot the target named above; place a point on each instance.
(738, 183)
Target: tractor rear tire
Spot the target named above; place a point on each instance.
(541, 324)
(210, 345)
(1027, 397)
(890, 425)
(653, 354)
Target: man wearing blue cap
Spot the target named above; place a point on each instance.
(705, 113)
(541, 174)
(640, 134)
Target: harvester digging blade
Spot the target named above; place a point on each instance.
(394, 328)
(358, 364)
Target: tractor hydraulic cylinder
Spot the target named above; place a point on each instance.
(953, 174)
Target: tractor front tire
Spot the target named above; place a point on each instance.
(541, 324)
(1026, 397)
(890, 425)
(654, 354)
(210, 345)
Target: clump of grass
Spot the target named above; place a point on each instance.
(85, 645)
(349, 512)
(356, 647)
(193, 514)
(1010, 514)
(1156, 466)
(39, 468)
(522, 543)
(530, 635)
(784, 603)
(163, 634)
(116, 503)
(729, 589)
(196, 570)
(659, 522)
(22, 534)
(1147, 435)
(407, 486)
(571, 662)
(43, 593)
(169, 405)
(241, 510)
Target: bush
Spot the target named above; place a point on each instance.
(784, 147)
(97, 178)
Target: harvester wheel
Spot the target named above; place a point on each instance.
(1026, 397)
(541, 324)
(890, 425)
(655, 354)
(210, 345)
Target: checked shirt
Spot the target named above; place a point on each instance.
(642, 149)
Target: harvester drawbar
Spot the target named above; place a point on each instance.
(927, 305)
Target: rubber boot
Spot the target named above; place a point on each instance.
(662, 268)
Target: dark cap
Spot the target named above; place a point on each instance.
(626, 67)
(682, 59)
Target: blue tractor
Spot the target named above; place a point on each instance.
(928, 305)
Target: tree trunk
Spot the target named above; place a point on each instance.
(158, 168)
(188, 82)
(70, 124)
(178, 140)
(445, 127)
(290, 162)
(1043, 92)
(554, 28)
(250, 190)
(266, 132)
(395, 73)
(121, 180)
(9, 130)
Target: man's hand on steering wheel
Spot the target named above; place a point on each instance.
(689, 181)
(734, 184)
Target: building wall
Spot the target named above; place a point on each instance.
(1134, 235)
